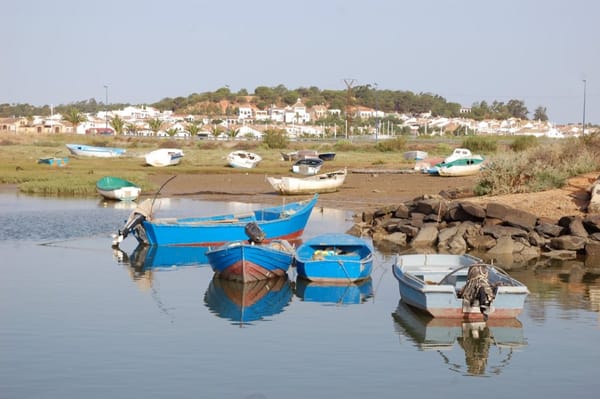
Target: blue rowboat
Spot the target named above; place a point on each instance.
(283, 222)
(244, 303)
(458, 286)
(339, 294)
(92, 151)
(53, 161)
(334, 258)
(247, 261)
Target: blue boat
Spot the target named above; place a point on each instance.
(54, 161)
(339, 294)
(93, 151)
(146, 257)
(334, 257)
(283, 222)
(244, 303)
(248, 261)
(458, 286)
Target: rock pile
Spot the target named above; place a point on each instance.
(494, 231)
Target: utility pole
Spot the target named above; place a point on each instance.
(106, 107)
(583, 124)
(349, 83)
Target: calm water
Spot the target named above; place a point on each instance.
(79, 320)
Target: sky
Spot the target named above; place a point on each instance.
(543, 52)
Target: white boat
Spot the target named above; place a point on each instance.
(115, 188)
(461, 167)
(458, 286)
(307, 166)
(415, 155)
(93, 151)
(243, 159)
(164, 157)
(322, 183)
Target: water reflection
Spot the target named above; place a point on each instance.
(488, 347)
(244, 303)
(341, 294)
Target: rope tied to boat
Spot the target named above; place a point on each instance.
(478, 289)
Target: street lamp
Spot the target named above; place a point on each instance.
(584, 87)
(376, 114)
(106, 106)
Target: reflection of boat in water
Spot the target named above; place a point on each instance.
(475, 338)
(243, 303)
(145, 258)
(343, 294)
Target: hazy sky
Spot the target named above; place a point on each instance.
(537, 51)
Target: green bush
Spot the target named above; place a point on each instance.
(396, 144)
(275, 138)
(522, 143)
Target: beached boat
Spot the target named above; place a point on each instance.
(249, 261)
(245, 303)
(278, 222)
(321, 183)
(334, 257)
(307, 166)
(458, 286)
(115, 188)
(300, 154)
(327, 156)
(340, 294)
(92, 151)
(54, 161)
(461, 167)
(415, 155)
(243, 159)
(164, 157)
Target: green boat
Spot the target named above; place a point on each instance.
(115, 188)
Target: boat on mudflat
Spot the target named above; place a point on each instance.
(93, 151)
(243, 159)
(334, 257)
(458, 286)
(54, 161)
(321, 183)
(307, 166)
(285, 222)
(164, 157)
(115, 188)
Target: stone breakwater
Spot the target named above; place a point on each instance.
(495, 232)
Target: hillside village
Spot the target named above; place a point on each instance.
(297, 120)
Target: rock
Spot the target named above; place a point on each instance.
(475, 210)
(576, 228)
(594, 204)
(519, 218)
(427, 236)
(568, 242)
(504, 245)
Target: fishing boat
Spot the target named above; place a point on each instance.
(334, 257)
(321, 183)
(461, 167)
(415, 155)
(250, 261)
(284, 222)
(93, 151)
(243, 159)
(54, 161)
(335, 293)
(458, 286)
(327, 156)
(115, 188)
(164, 157)
(246, 303)
(307, 166)
(300, 154)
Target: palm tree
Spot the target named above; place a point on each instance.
(155, 125)
(74, 117)
(193, 129)
(118, 124)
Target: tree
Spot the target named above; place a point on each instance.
(155, 125)
(118, 124)
(74, 117)
(540, 114)
(517, 109)
(193, 129)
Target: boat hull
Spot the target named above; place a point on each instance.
(243, 159)
(422, 286)
(164, 157)
(280, 222)
(98, 152)
(323, 183)
(334, 258)
(241, 261)
(115, 188)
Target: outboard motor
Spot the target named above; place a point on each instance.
(254, 233)
(142, 212)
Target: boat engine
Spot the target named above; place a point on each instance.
(254, 233)
(142, 212)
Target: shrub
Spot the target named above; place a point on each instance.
(396, 144)
(523, 143)
(275, 138)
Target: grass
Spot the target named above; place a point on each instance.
(515, 165)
